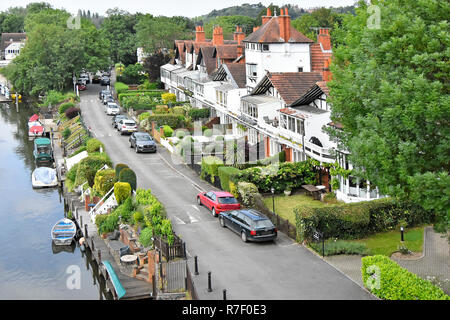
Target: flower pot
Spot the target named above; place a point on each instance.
(287, 192)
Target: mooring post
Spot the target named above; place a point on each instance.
(209, 282)
(195, 266)
(99, 256)
(92, 244)
(86, 231)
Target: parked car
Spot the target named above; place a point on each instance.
(105, 81)
(96, 78)
(102, 93)
(81, 87)
(126, 126)
(218, 201)
(117, 118)
(107, 99)
(251, 224)
(142, 142)
(112, 109)
(85, 77)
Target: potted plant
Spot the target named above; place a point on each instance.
(288, 189)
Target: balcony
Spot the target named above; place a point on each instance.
(319, 153)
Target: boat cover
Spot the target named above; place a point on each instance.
(36, 129)
(120, 290)
(44, 175)
(33, 118)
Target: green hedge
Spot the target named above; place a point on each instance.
(247, 192)
(387, 280)
(121, 87)
(210, 166)
(225, 174)
(168, 131)
(357, 220)
(118, 168)
(133, 93)
(122, 190)
(94, 145)
(63, 107)
(88, 167)
(152, 106)
(128, 175)
(172, 120)
(104, 181)
(196, 113)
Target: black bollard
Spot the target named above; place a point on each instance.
(209, 281)
(224, 294)
(196, 266)
(86, 231)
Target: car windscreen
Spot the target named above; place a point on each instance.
(264, 223)
(143, 137)
(227, 200)
(129, 123)
(113, 106)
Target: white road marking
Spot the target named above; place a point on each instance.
(192, 219)
(179, 221)
(195, 207)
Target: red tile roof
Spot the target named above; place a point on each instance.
(318, 57)
(270, 33)
(226, 51)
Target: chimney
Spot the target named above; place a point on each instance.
(240, 50)
(238, 35)
(285, 24)
(267, 17)
(199, 34)
(255, 28)
(326, 74)
(217, 36)
(324, 38)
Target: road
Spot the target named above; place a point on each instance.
(283, 270)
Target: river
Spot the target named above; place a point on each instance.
(30, 267)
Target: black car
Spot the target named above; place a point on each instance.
(251, 224)
(96, 79)
(117, 118)
(142, 142)
(105, 81)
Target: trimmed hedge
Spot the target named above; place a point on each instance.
(247, 193)
(210, 166)
(118, 168)
(148, 93)
(94, 145)
(357, 220)
(387, 280)
(104, 181)
(196, 113)
(172, 120)
(88, 167)
(168, 131)
(122, 191)
(121, 87)
(128, 175)
(225, 174)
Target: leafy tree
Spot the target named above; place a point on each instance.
(228, 24)
(322, 17)
(390, 92)
(153, 63)
(132, 74)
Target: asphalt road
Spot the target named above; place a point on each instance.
(282, 270)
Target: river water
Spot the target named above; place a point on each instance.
(30, 267)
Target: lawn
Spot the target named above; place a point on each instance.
(386, 243)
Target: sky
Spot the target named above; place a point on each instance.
(190, 8)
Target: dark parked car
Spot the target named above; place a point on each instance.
(142, 142)
(102, 93)
(96, 79)
(105, 81)
(251, 224)
(218, 201)
(117, 118)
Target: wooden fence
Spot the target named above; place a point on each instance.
(171, 251)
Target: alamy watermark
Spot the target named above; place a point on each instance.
(73, 282)
(374, 20)
(74, 22)
(373, 282)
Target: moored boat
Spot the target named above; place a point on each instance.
(63, 232)
(44, 177)
(35, 127)
(43, 152)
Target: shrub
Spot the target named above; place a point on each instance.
(94, 145)
(66, 133)
(72, 174)
(53, 97)
(224, 174)
(340, 247)
(147, 85)
(125, 210)
(138, 217)
(144, 116)
(119, 168)
(145, 238)
(179, 111)
(196, 113)
(104, 181)
(387, 280)
(172, 120)
(233, 190)
(247, 192)
(169, 97)
(210, 166)
(168, 131)
(122, 191)
(88, 167)
(72, 113)
(63, 107)
(356, 220)
(99, 220)
(161, 109)
(128, 175)
(110, 223)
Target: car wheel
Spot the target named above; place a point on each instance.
(199, 202)
(131, 145)
(213, 212)
(137, 150)
(244, 236)
(222, 222)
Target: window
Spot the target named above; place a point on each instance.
(251, 70)
(291, 124)
(283, 121)
(300, 127)
(265, 47)
(249, 109)
(300, 69)
(252, 136)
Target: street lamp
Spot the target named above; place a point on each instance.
(401, 231)
(273, 199)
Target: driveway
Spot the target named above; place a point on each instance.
(282, 270)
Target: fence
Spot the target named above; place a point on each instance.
(171, 251)
(282, 225)
(190, 284)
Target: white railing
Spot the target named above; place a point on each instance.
(103, 206)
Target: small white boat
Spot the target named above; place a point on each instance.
(44, 177)
(63, 232)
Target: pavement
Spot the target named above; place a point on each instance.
(280, 270)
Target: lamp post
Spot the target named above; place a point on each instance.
(401, 232)
(273, 199)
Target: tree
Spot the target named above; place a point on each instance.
(153, 63)
(132, 74)
(390, 92)
(228, 24)
(322, 17)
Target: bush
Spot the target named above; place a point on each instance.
(247, 192)
(168, 131)
(196, 113)
(210, 166)
(99, 220)
(88, 167)
(357, 220)
(63, 107)
(122, 191)
(145, 238)
(395, 282)
(179, 111)
(137, 217)
(147, 85)
(169, 97)
(72, 174)
(104, 181)
(128, 175)
(172, 120)
(66, 133)
(224, 174)
(53, 98)
(125, 210)
(161, 109)
(109, 224)
(94, 145)
(340, 247)
(72, 113)
(119, 168)
(144, 115)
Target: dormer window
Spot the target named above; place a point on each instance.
(265, 47)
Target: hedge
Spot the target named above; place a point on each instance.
(104, 181)
(172, 120)
(94, 145)
(122, 190)
(88, 167)
(210, 166)
(121, 87)
(357, 220)
(152, 93)
(196, 113)
(168, 131)
(387, 280)
(128, 175)
(247, 192)
(118, 168)
(72, 113)
(63, 107)
(152, 106)
(225, 173)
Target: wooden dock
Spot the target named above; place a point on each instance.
(136, 289)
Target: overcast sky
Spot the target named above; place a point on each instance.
(187, 8)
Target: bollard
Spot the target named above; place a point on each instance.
(99, 256)
(224, 294)
(86, 231)
(81, 221)
(209, 281)
(185, 283)
(184, 249)
(196, 266)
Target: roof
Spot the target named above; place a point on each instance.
(312, 94)
(290, 85)
(179, 51)
(253, 214)
(42, 141)
(318, 57)
(234, 71)
(270, 33)
(223, 194)
(206, 54)
(8, 38)
(227, 51)
(260, 99)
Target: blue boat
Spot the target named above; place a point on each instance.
(63, 232)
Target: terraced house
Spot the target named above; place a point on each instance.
(270, 87)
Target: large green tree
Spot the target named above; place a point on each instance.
(320, 18)
(390, 91)
(228, 24)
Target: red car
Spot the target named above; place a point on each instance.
(81, 87)
(218, 201)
